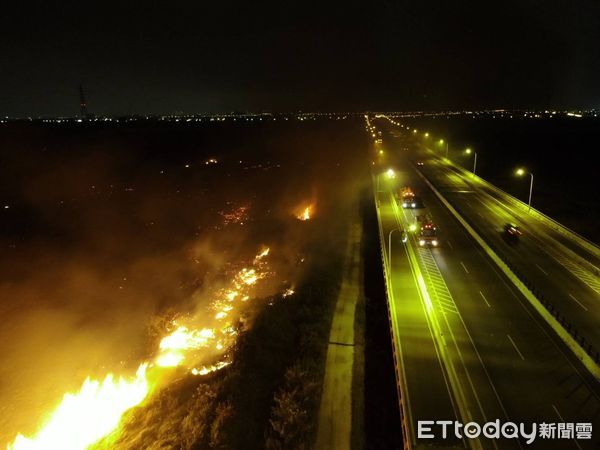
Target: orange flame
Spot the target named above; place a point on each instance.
(306, 213)
(174, 346)
(85, 417)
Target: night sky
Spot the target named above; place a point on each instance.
(203, 57)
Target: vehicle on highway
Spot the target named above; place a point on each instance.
(427, 236)
(420, 163)
(408, 198)
(512, 232)
(405, 195)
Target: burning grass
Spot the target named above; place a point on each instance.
(84, 417)
(214, 381)
(267, 397)
(305, 212)
(210, 370)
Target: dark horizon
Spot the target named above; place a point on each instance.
(351, 56)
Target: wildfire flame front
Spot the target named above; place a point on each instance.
(85, 417)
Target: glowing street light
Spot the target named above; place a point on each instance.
(415, 131)
(468, 151)
(390, 174)
(441, 142)
(426, 134)
(520, 172)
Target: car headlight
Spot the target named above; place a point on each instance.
(421, 242)
(434, 243)
(413, 204)
(404, 205)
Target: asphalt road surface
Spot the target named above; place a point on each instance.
(540, 254)
(510, 365)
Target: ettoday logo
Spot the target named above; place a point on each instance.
(430, 429)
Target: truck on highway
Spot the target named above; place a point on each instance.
(427, 236)
(408, 199)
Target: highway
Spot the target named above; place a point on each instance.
(427, 388)
(508, 363)
(557, 268)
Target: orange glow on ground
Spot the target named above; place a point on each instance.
(83, 418)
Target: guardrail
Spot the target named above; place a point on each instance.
(557, 226)
(400, 381)
(591, 247)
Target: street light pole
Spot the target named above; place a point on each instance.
(468, 152)
(446, 150)
(521, 172)
(530, 190)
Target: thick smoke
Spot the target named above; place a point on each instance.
(111, 233)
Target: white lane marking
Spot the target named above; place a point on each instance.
(463, 362)
(485, 299)
(450, 245)
(581, 375)
(578, 302)
(543, 271)
(515, 346)
(535, 318)
(563, 421)
(421, 292)
(557, 413)
(464, 267)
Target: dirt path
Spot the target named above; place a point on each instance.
(335, 413)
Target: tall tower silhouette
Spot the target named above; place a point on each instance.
(82, 104)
